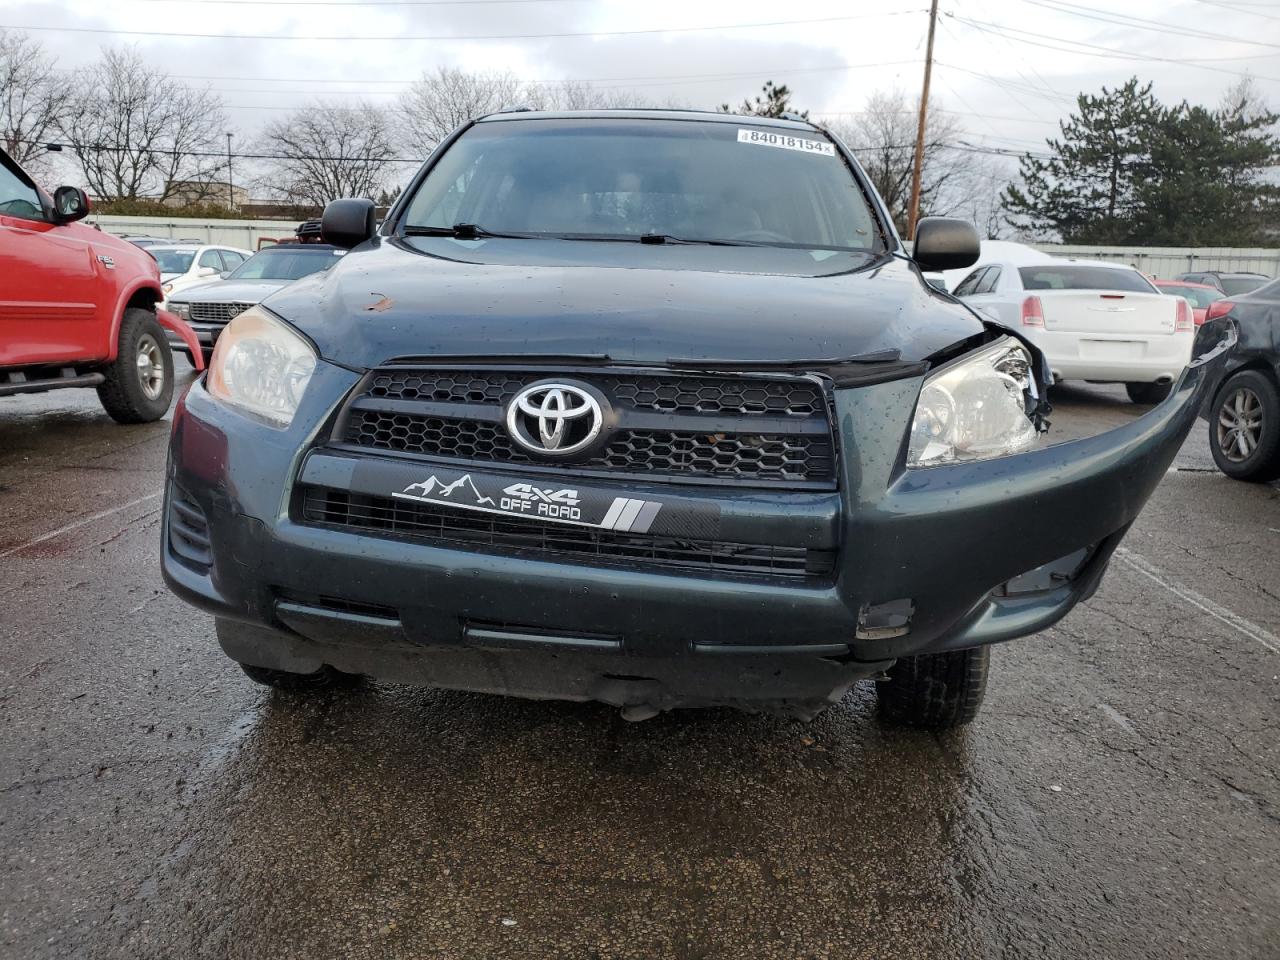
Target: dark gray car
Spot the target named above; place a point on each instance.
(646, 407)
(208, 307)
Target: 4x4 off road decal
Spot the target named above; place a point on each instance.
(587, 508)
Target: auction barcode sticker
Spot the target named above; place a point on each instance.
(768, 138)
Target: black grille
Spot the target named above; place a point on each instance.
(672, 394)
(217, 312)
(188, 532)
(390, 517)
(747, 430)
(636, 451)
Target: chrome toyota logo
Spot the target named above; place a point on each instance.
(554, 419)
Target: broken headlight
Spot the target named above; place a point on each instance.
(261, 365)
(976, 408)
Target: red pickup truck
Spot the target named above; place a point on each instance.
(78, 307)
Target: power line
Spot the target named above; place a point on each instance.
(1108, 53)
(458, 37)
(1005, 83)
(1141, 23)
(1241, 8)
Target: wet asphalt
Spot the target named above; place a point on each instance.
(1118, 797)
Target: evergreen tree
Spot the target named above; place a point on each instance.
(1087, 191)
(775, 102)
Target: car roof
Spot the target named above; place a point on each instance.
(1185, 283)
(790, 122)
(183, 247)
(295, 247)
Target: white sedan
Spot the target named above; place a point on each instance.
(184, 265)
(1094, 321)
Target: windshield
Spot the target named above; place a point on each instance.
(285, 263)
(1074, 277)
(1199, 296)
(172, 261)
(1235, 286)
(622, 179)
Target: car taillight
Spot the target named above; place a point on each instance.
(1032, 312)
(1185, 322)
(1219, 308)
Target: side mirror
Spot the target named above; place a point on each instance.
(942, 243)
(70, 204)
(347, 223)
(206, 272)
(224, 274)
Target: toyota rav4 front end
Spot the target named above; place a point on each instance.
(650, 408)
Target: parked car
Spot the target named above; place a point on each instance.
(1094, 321)
(1199, 295)
(78, 306)
(1231, 284)
(148, 242)
(646, 407)
(1244, 417)
(185, 265)
(210, 306)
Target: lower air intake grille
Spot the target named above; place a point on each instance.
(188, 532)
(397, 518)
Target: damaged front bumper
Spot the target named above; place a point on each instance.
(924, 560)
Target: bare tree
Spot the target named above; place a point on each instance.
(883, 137)
(441, 101)
(138, 132)
(34, 99)
(328, 151)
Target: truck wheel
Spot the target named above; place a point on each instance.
(323, 679)
(1148, 392)
(139, 383)
(935, 691)
(1244, 428)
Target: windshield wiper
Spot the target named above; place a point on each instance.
(712, 242)
(465, 231)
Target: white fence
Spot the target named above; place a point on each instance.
(1167, 262)
(232, 233)
(1163, 262)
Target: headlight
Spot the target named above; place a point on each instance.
(261, 365)
(975, 409)
(180, 310)
(167, 287)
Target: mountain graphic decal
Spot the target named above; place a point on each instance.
(433, 487)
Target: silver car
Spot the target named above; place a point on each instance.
(209, 307)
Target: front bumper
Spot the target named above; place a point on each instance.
(928, 560)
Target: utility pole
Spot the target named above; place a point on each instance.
(913, 213)
(231, 189)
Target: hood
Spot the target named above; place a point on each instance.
(629, 302)
(228, 291)
(166, 277)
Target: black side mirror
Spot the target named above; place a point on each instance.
(942, 243)
(347, 223)
(70, 204)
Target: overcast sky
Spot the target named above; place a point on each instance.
(1009, 87)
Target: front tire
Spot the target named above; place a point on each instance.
(935, 691)
(1148, 392)
(1244, 428)
(139, 382)
(325, 678)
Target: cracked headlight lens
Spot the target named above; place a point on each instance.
(261, 365)
(975, 409)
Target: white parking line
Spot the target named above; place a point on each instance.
(78, 524)
(1202, 603)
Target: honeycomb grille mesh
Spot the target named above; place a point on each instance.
(742, 456)
(672, 394)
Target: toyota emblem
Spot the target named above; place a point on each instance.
(554, 419)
